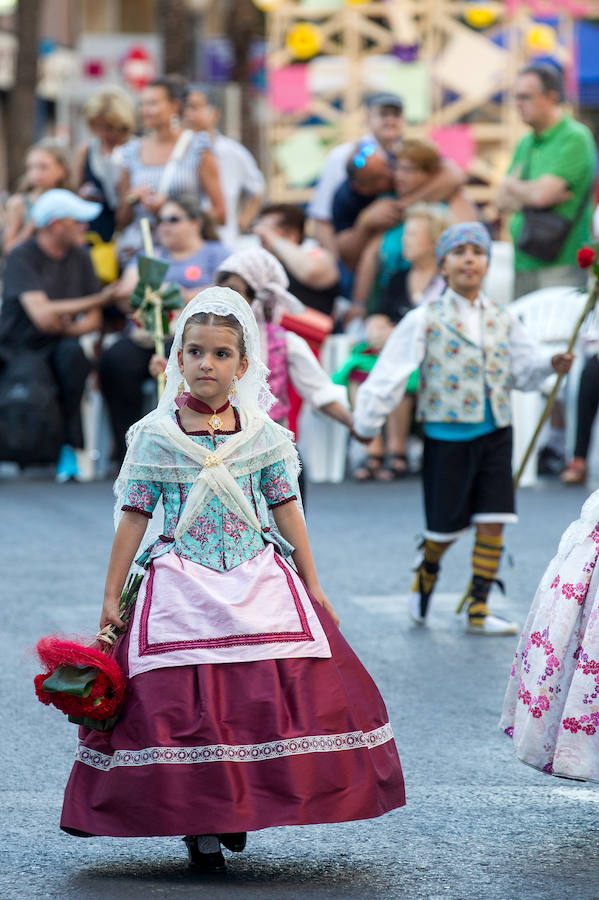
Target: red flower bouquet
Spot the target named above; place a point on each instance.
(585, 257)
(84, 682)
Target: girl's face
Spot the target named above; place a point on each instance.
(417, 241)
(209, 360)
(464, 268)
(43, 171)
(176, 230)
(236, 283)
(157, 108)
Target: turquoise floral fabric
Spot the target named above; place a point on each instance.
(217, 538)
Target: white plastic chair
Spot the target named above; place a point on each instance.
(550, 316)
(499, 283)
(323, 442)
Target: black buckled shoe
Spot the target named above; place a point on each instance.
(203, 862)
(234, 842)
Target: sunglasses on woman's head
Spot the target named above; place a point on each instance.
(171, 220)
(360, 158)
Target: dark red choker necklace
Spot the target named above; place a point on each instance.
(199, 406)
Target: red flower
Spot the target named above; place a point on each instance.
(585, 257)
(106, 696)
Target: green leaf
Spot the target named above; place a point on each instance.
(75, 680)
(101, 725)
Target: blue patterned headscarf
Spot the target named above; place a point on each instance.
(463, 233)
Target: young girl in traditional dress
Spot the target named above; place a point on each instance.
(241, 691)
(551, 706)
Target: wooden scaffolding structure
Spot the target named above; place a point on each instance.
(469, 72)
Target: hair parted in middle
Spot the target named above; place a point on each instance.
(209, 318)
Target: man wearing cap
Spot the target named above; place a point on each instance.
(50, 299)
(471, 352)
(386, 122)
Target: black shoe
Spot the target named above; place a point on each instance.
(203, 862)
(549, 462)
(234, 842)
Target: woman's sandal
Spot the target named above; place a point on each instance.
(368, 470)
(396, 468)
(575, 472)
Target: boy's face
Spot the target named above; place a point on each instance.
(464, 268)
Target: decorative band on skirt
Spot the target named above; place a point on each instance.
(241, 753)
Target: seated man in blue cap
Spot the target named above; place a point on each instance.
(471, 352)
(51, 297)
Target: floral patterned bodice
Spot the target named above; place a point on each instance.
(217, 538)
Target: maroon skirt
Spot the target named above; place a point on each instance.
(211, 749)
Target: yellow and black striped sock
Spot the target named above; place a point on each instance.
(432, 552)
(486, 554)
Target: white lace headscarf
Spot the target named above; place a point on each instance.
(267, 278)
(159, 451)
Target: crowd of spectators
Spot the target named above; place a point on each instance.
(359, 257)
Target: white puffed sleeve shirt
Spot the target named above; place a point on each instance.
(405, 350)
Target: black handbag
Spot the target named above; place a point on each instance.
(544, 231)
(30, 417)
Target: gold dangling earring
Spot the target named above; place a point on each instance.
(233, 389)
(181, 388)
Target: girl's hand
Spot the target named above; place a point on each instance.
(321, 598)
(358, 437)
(157, 365)
(110, 613)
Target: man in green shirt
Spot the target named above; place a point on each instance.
(553, 168)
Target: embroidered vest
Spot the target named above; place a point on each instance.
(278, 379)
(456, 374)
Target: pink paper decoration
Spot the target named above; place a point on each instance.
(455, 142)
(288, 89)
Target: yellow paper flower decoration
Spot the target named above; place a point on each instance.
(268, 5)
(541, 39)
(479, 16)
(304, 40)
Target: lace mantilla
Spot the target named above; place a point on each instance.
(575, 534)
(150, 756)
(582, 527)
(158, 451)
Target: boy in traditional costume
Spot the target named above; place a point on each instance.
(471, 353)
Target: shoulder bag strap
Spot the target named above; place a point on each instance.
(177, 153)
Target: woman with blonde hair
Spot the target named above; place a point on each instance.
(110, 117)
(46, 167)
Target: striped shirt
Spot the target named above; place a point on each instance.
(184, 178)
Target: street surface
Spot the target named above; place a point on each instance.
(478, 825)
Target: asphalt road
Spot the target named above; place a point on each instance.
(478, 825)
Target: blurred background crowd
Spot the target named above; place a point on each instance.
(340, 138)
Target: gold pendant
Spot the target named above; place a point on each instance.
(215, 422)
